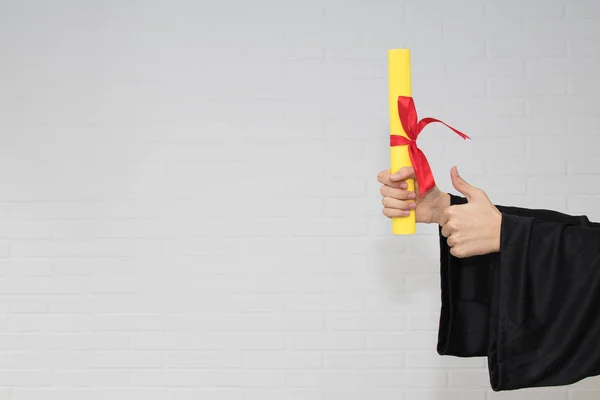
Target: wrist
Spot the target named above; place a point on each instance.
(443, 202)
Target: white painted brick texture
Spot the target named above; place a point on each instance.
(188, 202)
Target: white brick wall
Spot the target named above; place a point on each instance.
(188, 203)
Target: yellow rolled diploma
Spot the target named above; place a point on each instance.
(400, 85)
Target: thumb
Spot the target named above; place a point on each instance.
(470, 191)
(403, 174)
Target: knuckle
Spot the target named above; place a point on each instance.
(447, 214)
(457, 252)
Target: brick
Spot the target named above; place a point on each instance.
(282, 394)
(326, 379)
(556, 148)
(245, 322)
(401, 341)
(216, 394)
(366, 322)
(521, 166)
(585, 9)
(474, 379)
(27, 268)
(331, 263)
(429, 360)
(48, 323)
(573, 184)
(30, 393)
(528, 9)
(483, 68)
(324, 303)
(433, 9)
(185, 359)
(364, 394)
(407, 379)
(397, 302)
(363, 360)
(87, 378)
(550, 69)
(118, 360)
(580, 204)
(583, 394)
(428, 322)
(446, 394)
(204, 378)
(526, 47)
(536, 394)
(583, 166)
(418, 283)
(531, 86)
(282, 360)
(499, 184)
(584, 85)
(326, 341)
(531, 126)
(88, 393)
(583, 47)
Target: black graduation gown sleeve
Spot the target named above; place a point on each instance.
(533, 308)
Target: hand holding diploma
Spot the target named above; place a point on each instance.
(398, 200)
(471, 229)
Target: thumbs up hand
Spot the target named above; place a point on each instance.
(474, 228)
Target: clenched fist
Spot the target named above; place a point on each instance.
(398, 200)
(474, 228)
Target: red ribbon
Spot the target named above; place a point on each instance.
(408, 118)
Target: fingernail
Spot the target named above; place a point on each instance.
(412, 205)
(412, 195)
(403, 185)
(407, 213)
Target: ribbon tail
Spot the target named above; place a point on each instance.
(426, 121)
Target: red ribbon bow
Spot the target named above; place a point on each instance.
(408, 118)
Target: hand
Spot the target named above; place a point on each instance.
(474, 228)
(398, 200)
